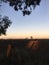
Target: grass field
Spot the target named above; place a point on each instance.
(24, 52)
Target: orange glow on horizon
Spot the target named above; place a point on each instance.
(19, 36)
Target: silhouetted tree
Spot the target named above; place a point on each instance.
(4, 24)
(24, 5)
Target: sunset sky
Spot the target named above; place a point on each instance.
(35, 25)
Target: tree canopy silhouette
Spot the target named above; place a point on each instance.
(4, 24)
(24, 5)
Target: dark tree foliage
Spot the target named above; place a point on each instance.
(4, 24)
(24, 5)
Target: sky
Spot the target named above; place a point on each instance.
(35, 25)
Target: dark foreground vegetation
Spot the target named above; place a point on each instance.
(24, 52)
